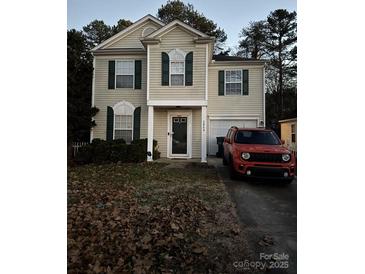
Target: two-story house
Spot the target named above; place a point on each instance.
(161, 81)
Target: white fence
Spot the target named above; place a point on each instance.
(76, 146)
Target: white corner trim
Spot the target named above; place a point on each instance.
(177, 103)
(148, 72)
(206, 72)
(92, 98)
(204, 135)
(93, 87)
(150, 133)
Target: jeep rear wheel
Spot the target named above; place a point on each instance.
(225, 163)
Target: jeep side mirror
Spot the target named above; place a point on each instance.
(282, 142)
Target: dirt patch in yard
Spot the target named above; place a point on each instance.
(146, 218)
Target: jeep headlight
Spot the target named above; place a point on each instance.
(285, 157)
(245, 155)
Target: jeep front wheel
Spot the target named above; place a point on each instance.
(232, 172)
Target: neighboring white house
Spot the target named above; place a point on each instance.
(161, 81)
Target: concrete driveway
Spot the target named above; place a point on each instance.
(268, 213)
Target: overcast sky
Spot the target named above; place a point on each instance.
(231, 15)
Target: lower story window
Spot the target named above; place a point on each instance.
(123, 128)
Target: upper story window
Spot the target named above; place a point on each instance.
(233, 82)
(124, 73)
(177, 67)
(177, 73)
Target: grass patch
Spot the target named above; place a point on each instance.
(149, 217)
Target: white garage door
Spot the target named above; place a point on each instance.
(219, 128)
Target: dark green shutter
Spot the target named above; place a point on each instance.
(137, 74)
(189, 69)
(136, 123)
(165, 69)
(109, 123)
(245, 82)
(111, 75)
(221, 82)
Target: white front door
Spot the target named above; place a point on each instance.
(179, 134)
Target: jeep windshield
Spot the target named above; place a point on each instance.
(257, 137)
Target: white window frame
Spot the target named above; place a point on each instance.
(115, 69)
(123, 108)
(183, 74)
(226, 82)
(175, 60)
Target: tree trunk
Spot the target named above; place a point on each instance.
(280, 80)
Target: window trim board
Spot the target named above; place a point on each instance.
(225, 82)
(123, 128)
(183, 74)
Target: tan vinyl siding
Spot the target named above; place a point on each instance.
(177, 38)
(105, 97)
(196, 138)
(236, 105)
(286, 134)
(132, 39)
(160, 130)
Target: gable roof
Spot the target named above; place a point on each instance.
(173, 24)
(128, 29)
(227, 59)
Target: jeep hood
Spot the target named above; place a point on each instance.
(262, 148)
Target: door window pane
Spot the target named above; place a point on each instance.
(179, 138)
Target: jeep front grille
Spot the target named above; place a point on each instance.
(265, 157)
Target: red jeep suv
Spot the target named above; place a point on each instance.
(257, 152)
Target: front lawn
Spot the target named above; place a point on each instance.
(149, 217)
